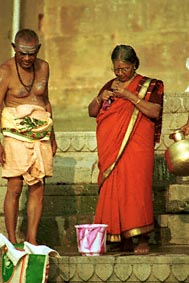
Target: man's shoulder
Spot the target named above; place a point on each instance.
(6, 67)
(42, 63)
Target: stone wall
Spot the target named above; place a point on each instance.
(80, 36)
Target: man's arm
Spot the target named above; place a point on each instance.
(48, 108)
(4, 82)
(53, 138)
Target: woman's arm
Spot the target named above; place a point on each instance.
(104, 94)
(97, 102)
(151, 108)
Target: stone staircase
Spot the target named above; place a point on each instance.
(71, 195)
(70, 199)
(159, 266)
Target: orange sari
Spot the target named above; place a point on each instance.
(125, 198)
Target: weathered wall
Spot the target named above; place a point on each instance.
(78, 37)
(5, 29)
(30, 17)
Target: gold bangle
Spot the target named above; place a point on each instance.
(138, 101)
(97, 100)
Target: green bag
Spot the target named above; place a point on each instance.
(31, 268)
(25, 263)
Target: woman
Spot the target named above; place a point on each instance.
(128, 112)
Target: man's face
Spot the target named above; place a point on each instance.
(26, 53)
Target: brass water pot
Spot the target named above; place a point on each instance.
(177, 154)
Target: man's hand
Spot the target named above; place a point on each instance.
(2, 155)
(53, 145)
(53, 142)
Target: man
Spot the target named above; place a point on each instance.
(29, 144)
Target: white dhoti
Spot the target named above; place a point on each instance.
(27, 146)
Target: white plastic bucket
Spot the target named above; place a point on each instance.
(91, 239)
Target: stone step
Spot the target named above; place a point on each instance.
(177, 199)
(76, 160)
(66, 205)
(168, 264)
(60, 231)
(174, 229)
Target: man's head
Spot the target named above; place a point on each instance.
(26, 41)
(26, 47)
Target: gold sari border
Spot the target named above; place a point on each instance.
(139, 231)
(130, 233)
(113, 238)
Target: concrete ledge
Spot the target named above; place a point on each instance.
(167, 265)
(120, 268)
(177, 226)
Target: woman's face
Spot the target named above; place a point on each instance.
(123, 71)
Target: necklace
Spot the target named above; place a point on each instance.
(28, 88)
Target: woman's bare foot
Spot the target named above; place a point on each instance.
(142, 248)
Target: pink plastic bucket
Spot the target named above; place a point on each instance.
(91, 239)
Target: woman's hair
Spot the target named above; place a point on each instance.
(125, 53)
